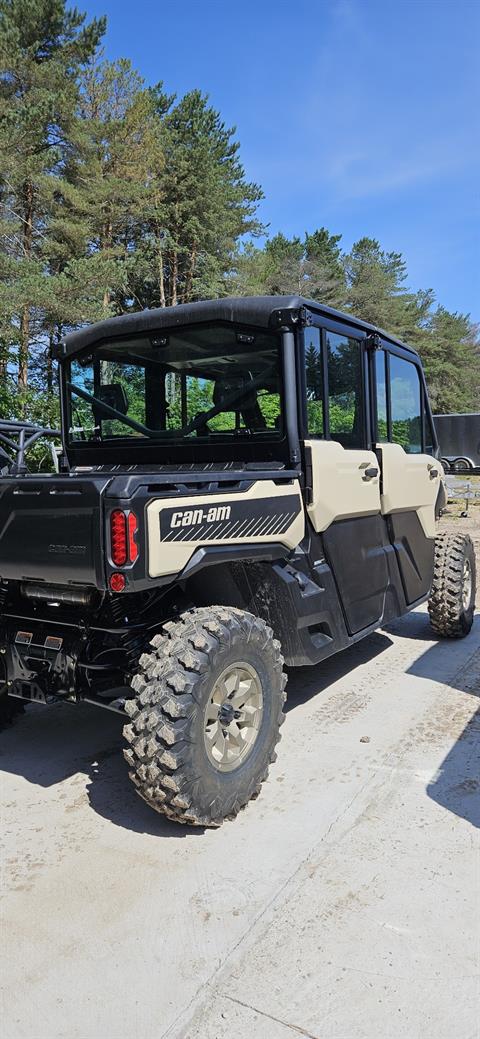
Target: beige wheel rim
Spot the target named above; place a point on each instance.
(233, 716)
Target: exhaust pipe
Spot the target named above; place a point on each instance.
(58, 593)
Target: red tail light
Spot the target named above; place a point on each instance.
(118, 531)
(123, 530)
(132, 531)
(117, 582)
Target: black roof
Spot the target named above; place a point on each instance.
(259, 311)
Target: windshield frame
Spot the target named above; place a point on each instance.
(167, 448)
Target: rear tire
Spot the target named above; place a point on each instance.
(206, 715)
(452, 601)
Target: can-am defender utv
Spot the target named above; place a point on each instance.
(242, 483)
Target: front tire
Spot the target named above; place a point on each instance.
(206, 715)
(452, 602)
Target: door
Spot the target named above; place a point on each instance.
(345, 485)
(410, 475)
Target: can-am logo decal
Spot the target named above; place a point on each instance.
(243, 519)
(212, 514)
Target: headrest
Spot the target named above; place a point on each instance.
(234, 393)
(114, 395)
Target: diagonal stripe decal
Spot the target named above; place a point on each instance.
(227, 519)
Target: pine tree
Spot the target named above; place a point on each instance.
(201, 203)
(42, 48)
(115, 196)
(310, 267)
(323, 257)
(450, 351)
(109, 174)
(376, 289)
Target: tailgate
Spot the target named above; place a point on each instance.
(51, 529)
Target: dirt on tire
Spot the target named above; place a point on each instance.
(450, 617)
(165, 752)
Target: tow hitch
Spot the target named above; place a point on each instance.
(38, 664)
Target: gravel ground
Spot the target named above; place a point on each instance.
(342, 904)
(453, 519)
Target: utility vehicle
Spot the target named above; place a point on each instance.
(243, 484)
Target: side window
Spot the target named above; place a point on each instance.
(405, 398)
(345, 391)
(314, 381)
(380, 371)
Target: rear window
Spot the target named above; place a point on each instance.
(193, 384)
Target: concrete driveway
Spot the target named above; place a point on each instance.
(343, 904)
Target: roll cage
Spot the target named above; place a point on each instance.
(16, 438)
(289, 320)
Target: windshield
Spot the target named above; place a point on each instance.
(198, 383)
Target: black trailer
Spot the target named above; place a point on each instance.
(459, 440)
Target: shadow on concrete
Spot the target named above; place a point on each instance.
(456, 786)
(48, 745)
(306, 682)
(414, 625)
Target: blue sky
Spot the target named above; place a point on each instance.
(359, 115)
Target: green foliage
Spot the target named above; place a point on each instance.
(315, 417)
(310, 267)
(115, 196)
(371, 283)
(199, 204)
(43, 47)
(450, 350)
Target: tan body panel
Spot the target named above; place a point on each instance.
(408, 485)
(168, 553)
(340, 489)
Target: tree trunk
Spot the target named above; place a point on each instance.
(174, 278)
(190, 273)
(106, 246)
(161, 278)
(49, 362)
(24, 343)
(23, 349)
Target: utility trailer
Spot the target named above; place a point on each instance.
(459, 441)
(243, 484)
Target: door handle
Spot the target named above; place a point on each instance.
(433, 473)
(370, 473)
